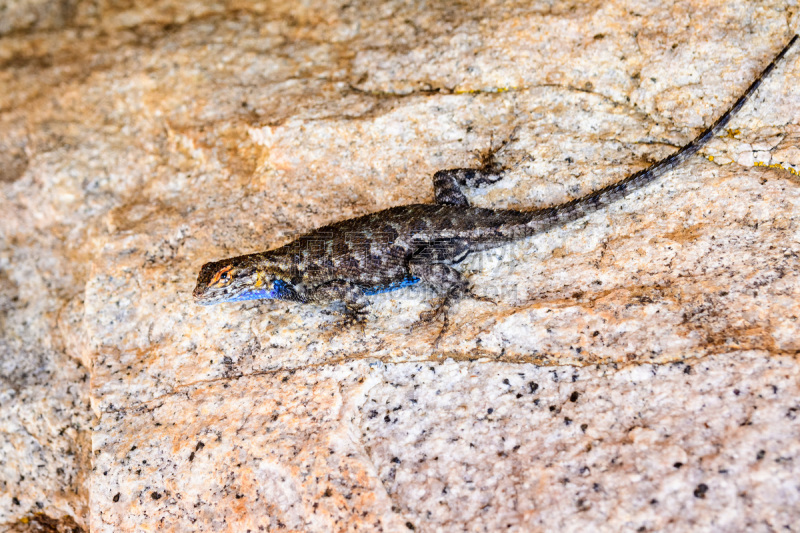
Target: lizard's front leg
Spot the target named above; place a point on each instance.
(340, 291)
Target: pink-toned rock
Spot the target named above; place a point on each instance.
(638, 368)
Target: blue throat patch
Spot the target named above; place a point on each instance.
(280, 291)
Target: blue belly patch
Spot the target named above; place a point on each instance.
(395, 285)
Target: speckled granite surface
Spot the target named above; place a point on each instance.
(702, 445)
(638, 371)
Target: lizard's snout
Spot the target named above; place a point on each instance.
(198, 291)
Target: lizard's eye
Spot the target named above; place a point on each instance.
(222, 278)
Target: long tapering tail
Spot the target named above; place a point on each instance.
(575, 209)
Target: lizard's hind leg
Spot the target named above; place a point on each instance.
(447, 184)
(449, 281)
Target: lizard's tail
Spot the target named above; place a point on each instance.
(561, 214)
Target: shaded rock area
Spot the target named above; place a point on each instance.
(638, 370)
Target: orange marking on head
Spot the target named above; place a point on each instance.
(219, 274)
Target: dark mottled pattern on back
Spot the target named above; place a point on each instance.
(376, 249)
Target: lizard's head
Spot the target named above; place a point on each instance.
(234, 280)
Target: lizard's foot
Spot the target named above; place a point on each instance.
(467, 293)
(442, 331)
(354, 318)
(349, 317)
(447, 280)
(440, 310)
(436, 312)
(447, 184)
(488, 158)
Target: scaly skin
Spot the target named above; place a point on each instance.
(350, 260)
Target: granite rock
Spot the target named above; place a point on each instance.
(636, 369)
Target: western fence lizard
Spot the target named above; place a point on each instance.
(350, 260)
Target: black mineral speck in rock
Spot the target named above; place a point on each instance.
(700, 491)
(116, 497)
(155, 496)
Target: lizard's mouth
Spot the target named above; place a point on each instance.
(205, 295)
(201, 297)
(207, 300)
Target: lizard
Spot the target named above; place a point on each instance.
(348, 261)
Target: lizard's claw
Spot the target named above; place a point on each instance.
(349, 317)
(467, 293)
(436, 312)
(440, 310)
(488, 160)
(353, 317)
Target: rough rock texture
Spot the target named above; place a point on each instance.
(639, 369)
